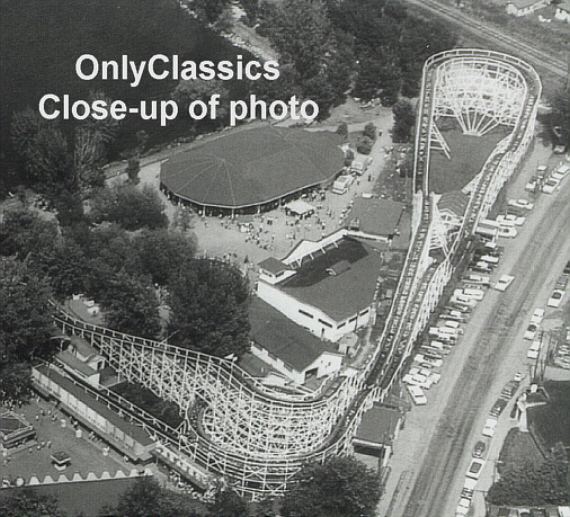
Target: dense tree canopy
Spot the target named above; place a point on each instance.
(404, 121)
(532, 485)
(25, 326)
(560, 116)
(29, 504)
(341, 487)
(130, 207)
(209, 308)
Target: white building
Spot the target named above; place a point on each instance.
(563, 11)
(288, 348)
(525, 7)
(326, 287)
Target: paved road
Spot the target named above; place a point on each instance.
(529, 52)
(438, 437)
(536, 258)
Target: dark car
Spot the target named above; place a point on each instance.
(498, 407)
(510, 389)
(479, 449)
(567, 268)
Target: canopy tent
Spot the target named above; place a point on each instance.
(300, 208)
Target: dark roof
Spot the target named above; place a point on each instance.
(135, 432)
(375, 216)
(564, 5)
(252, 167)
(378, 425)
(339, 296)
(454, 201)
(273, 265)
(83, 346)
(277, 334)
(75, 363)
(255, 366)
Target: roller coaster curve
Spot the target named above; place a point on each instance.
(257, 437)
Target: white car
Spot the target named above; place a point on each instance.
(475, 468)
(521, 203)
(532, 353)
(509, 220)
(519, 376)
(541, 171)
(537, 316)
(561, 171)
(417, 395)
(550, 185)
(463, 507)
(531, 185)
(555, 298)
(503, 283)
(507, 232)
(490, 426)
(530, 331)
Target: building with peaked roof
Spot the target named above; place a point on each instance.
(377, 431)
(289, 348)
(525, 7)
(374, 218)
(252, 169)
(329, 286)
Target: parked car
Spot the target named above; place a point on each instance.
(537, 316)
(475, 468)
(510, 219)
(550, 185)
(530, 331)
(498, 407)
(417, 395)
(510, 389)
(521, 203)
(567, 268)
(504, 282)
(555, 298)
(507, 233)
(489, 428)
(479, 449)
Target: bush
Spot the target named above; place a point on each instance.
(364, 145)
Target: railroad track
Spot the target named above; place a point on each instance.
(541, 59)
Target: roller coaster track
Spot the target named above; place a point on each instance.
(258, 437)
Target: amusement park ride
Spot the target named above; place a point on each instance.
(256, 437)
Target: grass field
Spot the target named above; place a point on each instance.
(519, 449)
(468, 155)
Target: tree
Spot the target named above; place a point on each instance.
(162, 252)
(342, 130)
(132, 170)
(129, 207)
(25, 325)
(341, 487)
(29, 503)
(532, 484)
(228, 504)
(199, 89)
(364, 145)
(130, 306)
(404, 121)
(560, 116)
(209, 10)
(370, 131)
(209, 308)
(141, 500)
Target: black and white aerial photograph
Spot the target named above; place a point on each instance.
(284, 258)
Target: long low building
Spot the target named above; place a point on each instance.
(248, 170)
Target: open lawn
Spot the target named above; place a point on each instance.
(468, 155)
(518, 449)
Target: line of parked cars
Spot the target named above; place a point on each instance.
(480, 449)
(548, 181)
